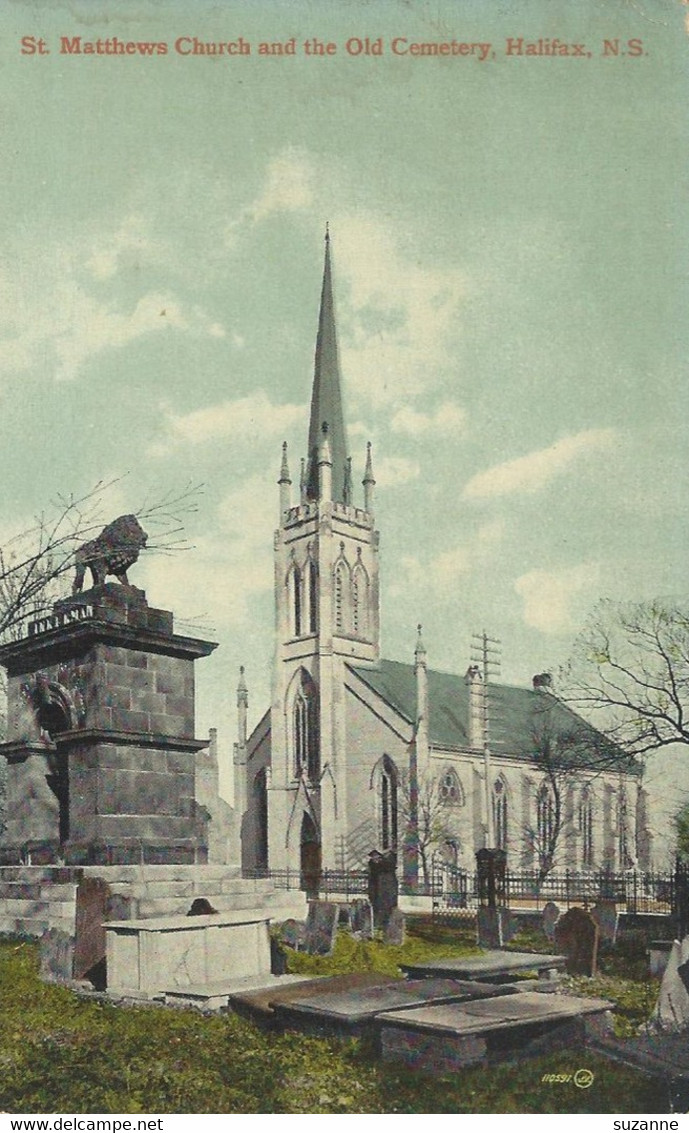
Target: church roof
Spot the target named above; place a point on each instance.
(326, 395)
(517, 716)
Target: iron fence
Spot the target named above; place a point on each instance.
(451, 888)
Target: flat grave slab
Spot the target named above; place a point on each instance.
(491, 965)
(265, 1002)
(446, 1037)
(353, 1009)
(217, 995)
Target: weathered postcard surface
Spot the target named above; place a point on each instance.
(369, 321)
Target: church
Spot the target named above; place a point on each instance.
(358, 753)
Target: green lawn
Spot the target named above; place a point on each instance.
(63, 1053)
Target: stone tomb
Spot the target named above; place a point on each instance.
(444, 1038)
(101, 749)
(148, 958)
(492, 966)
(337, 1010)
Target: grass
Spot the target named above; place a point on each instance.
(63, 1053)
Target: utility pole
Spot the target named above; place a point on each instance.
(486, 653)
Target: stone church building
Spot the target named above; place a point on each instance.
(358, 753)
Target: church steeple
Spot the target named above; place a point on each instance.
(326, 396)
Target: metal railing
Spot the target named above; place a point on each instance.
(450, 887)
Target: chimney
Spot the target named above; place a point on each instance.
(542, 681)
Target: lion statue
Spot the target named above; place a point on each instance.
(112, 552)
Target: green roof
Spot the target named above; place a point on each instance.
(520, 718)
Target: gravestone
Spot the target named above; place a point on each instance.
(293, 934)
(576, 934)
(550, 917)
(57, 955)
(494, 926)
(201, 907)
(393, 932)
(606, 917)
(383, 888)
(672, 1009)
(278, 958)
(361, 919)
(321, 927)
(93, 907)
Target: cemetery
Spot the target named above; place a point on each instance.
(107, 895)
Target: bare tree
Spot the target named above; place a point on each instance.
(34, 563)
(630, 671)
(564, 748)
(427, 817)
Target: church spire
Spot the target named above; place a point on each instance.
(326, 395)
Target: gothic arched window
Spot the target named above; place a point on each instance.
(312, 575)
(450, 789)
(305, 729)
(294, 600)
(586, 828)
(545, 823)
(500, 813)
(622, 830)
(359, 600)
(341, 580)
(260, 790)
(388, 805)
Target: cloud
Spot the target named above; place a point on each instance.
(549, 595)
(528, 474)
(51, 320)
(448, 419)
(390, 471)
(228, 568)
(443, 571)
(287, 188)
(401, 317)
(129, 241)
(245, 419)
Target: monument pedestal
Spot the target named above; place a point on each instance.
(101, 749)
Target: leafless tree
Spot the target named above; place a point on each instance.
(34, 563)
(563, 747)
(426, 816)
(630, 672)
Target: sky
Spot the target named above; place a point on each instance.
(509, 242)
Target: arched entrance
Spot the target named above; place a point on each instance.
(309, 857)
(54, 716)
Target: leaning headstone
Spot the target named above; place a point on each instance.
(672, 1009)
(293, 934)
(92, 911)
(321, 927)
(394, 929)
(606, 917)
(383, 888)
(576, 934)
(57, 955)
(550, 917)
(361, 918)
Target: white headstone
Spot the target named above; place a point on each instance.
(672, 1009)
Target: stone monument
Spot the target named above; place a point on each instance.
(101, 747)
